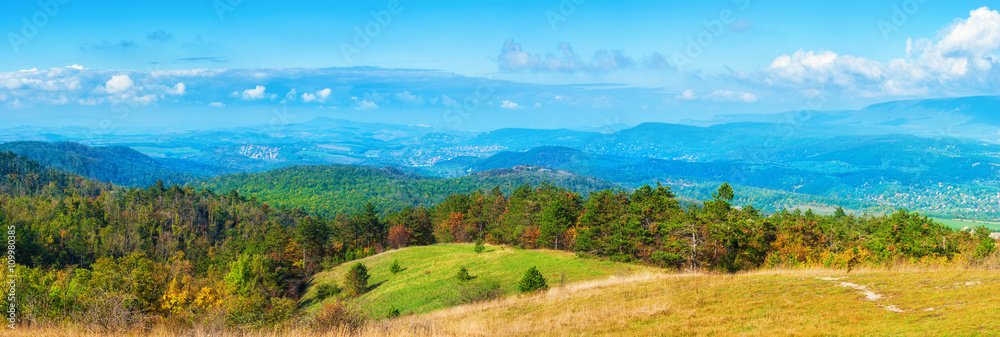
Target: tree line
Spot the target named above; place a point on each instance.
(88, 252)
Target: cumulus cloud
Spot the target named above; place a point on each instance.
(513, 58)
(322, 95)
(687, 95)
(251, 94)
(731, 96)
(118, 83)
(506, 104)
(178, 89)
(962, 56)
(160, 35)
(449, 102)
(366, 105)
(658, 61)
(408, 98)
(319, 96)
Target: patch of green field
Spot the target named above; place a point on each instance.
(179, 152)
(962, 223)
(428, 279)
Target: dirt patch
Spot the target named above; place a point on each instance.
(864, 290)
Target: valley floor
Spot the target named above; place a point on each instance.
(948, 302)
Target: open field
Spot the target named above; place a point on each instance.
(962, 223)
(428, 279)
(949, 302)
(803, 303)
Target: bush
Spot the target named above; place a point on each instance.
(532, 281)
(463, 275)
(336, 316)
(479, 246)
(356, 280)
(326, 290)
(395, 267)
(476, 291)
(393, 312)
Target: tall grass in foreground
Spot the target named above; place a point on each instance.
(931, 301)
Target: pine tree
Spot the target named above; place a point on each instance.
(463, 275)
(356, 280)
(532, 281)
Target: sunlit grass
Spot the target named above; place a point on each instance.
(428, 278)
(811, 302)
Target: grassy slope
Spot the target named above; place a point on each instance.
(961, 223)
(427, 282)
(933, 303)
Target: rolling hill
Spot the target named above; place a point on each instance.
(115, 164)
(767, 303)
(427, 282)
(332, 189)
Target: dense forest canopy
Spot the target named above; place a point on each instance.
(85, 247)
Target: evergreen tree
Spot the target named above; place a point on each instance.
(532, 281)
(356, 280)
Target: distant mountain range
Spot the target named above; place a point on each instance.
(938, 155)
(975, 117)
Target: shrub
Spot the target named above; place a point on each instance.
(479, 246)
(337, 316)
(463, 275)
(356, 280)
(326, 290)
(476, 291)
(393, 312)
(532, 281)
(395, 267)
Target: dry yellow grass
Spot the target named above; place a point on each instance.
(931, 302)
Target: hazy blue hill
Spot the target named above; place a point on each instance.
(114, 164)
(970, 117)
(333, 189)
(522, 139)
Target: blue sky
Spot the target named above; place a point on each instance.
(480, 64)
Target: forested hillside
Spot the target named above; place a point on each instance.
(115, 164)
(333, 189)
(106, 257)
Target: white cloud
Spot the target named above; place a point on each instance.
(252, 94)
(307, 97)
(217, 104)
(408, 98)
(449, 102)
(538, 105)
(366, 105)
(322, 95)
(290, 96)
(509, 105)
(179, 89)
(76, 66)
(687, 95)
(962, 57)
(731, 96)
(118, 83)
(512, 58)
